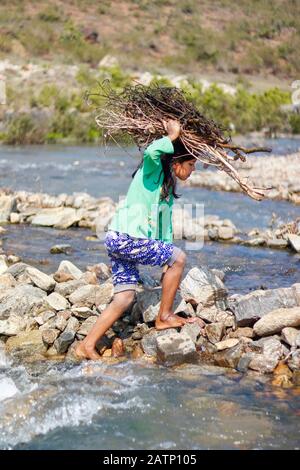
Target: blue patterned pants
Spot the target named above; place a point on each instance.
(127, 252)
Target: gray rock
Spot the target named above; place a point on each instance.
(44, 317)
(58, 217)
(276, 320)
(69, 268)
(203, 287)
(87, 325)
(50, 335)
(175, 348)
(21, 300)
(249, 308)
(215, 332)
(242, 332)
(262, 364)
(272, 348)
(57, 301)
(257, 241)
(209, 314)
(41, 280)
(15, 218)
(192, 330)
(294, 241)
(7, 205)
(61, 319)
(220, 274)
(26, 344)
(85, 296)
(226, 344)
(67, 288)
(104, 293)
(7, 281)
(101, 270)
(149, 343)
(82, 312)
(277, 243)
(16, 270)
(229, 357)
(225, 233)
(148, 302)
(244, 361)
(62, 343)
(12, 326)
(56, 249)
(291, 336)
(3, 265)
(294, 360)
(73, 325)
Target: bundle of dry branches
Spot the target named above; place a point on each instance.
(140, 111)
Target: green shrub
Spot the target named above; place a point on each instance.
(48, 95)
(50, 14)
(22, 130)
(294, 121)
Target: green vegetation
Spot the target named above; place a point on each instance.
(207, 38)
(69, 115)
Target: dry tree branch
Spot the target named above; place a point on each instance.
(139, 111)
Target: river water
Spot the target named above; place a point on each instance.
(137, 405)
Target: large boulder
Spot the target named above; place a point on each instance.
(58, 217)
(21, 300)
(26, 344)
(249, 308)
(276, 320)
(175, 348)
(202, 286)
(12, 325)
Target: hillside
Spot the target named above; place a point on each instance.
(256, 38)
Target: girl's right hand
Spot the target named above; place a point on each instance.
(172, 126)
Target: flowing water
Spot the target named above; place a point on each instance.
(137, 405)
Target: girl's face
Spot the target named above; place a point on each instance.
(183, 170)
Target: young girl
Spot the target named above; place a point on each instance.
(141, 233)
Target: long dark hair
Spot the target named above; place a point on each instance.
(169, 183)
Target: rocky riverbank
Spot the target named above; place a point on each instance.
(83, 210)
(42, 316)
(280, 173)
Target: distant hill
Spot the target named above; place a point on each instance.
(214, 37)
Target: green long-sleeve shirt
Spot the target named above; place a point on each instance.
(142, 213)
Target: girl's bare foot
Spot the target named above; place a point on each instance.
(171, 321)
(84, 351)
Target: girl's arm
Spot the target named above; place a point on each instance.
(161, 146)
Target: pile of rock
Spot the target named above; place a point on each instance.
(62, 212)
(42, 316)
(281, 173)
(285, 236)
(83, 210)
